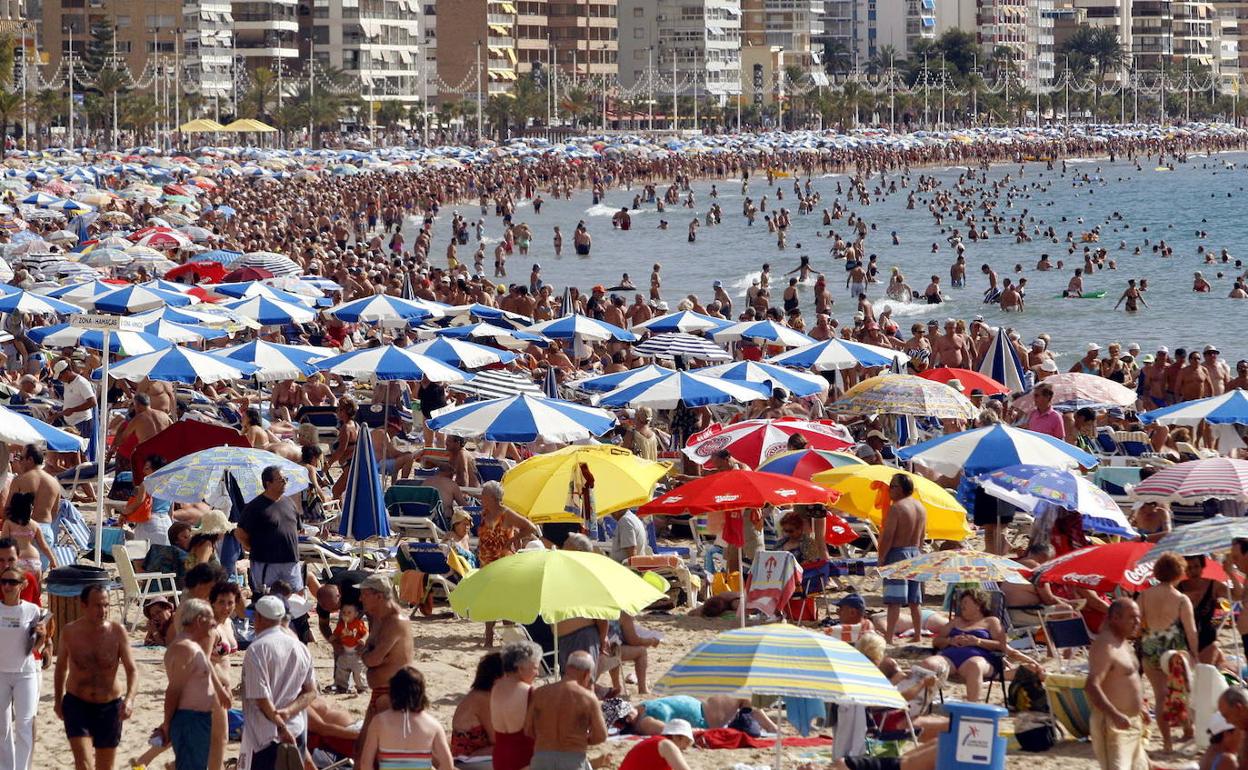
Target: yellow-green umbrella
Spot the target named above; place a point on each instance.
(539, 487)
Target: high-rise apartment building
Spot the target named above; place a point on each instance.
(795, 26)
(484, 32)
(208, 58)
(377, 43)
(583, 35)
(697, 41)
(140, 31)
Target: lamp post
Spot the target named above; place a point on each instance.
(480, 102)
(69, 129)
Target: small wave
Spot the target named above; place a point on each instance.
(741, 285)
(906, 309)
(603, 210)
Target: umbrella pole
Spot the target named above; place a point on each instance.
(779, 737)
(101, 433)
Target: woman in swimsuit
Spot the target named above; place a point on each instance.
(1168, 623)
(472, 731)
(500, 533)
(973, 643)
(509, 705)
(404, 737)
(226, 598)
(1204, 594)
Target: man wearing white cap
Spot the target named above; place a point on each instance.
(79, 402)
(1091, 361)
(278, 686)
(662, 752)
(1219, 373)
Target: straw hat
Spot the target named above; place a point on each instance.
(215, 522)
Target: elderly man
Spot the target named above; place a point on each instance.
(1045, 419)
(1116, 693)
(565, 718)
(905, 528)
(78, 410)
(389, 646)
(629, 539)
(269, 529)
(278, 686)
(195, 697)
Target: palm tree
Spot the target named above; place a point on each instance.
(886, 57)
(499, 113)
(390, 113)
(578, 103)
(263, 92)
(49, 108)
(837, 59)
(139, 111)
(10, 108)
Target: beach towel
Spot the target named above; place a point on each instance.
(727, 738)
(801, 712)
(774, 577)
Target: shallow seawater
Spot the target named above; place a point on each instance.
(1206, 193)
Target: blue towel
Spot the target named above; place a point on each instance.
(802, 711)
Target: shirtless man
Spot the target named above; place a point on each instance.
(391, 460)
(147, 421)
(1219, 373)
(87, 698)
(462, 464)
(33, 479)
(389, 646)
(905, 528)
(1193, 380)
(162, 396)
(195, 697)
(953, 349)
(565, 719)
(1155, 378)
(1116, 693)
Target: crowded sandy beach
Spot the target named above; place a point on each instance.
(730, 451)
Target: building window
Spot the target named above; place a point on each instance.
(639, 13)
(639, 33)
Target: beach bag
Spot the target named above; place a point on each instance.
(722, 582)
(1026, 693)
(1035, 731)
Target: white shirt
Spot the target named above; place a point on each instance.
(629, 533)
(276, 666)
(77, 392)
(15, 624)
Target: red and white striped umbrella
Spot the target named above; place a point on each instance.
(1220, 478)
(754, 441)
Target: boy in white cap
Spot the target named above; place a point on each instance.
(662, 752)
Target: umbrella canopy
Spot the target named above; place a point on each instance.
(460, 315)
(905, 394)
(1212, 535)
(753, 441)
(390, 363)
(255, 288)
(1075, 390)
(1230, 408)
(275, 264)
(684, 387)
(17, 429)
(272, 312)
(737, 490)
(800, 384)
(581, 327)
(498, 383)
(805, 463)
(970, 380)
(608, 382)
(769, 332)
(682, 321)
(127, 343)
(18, 301)
(1001, 364)
(179, 364)
(363, 506)
(181, 333)
(136, 299)
(77, 291)
(522, 419)
(672, 344)
(1109, 567)
(382, 308)
(1219, 478)
(986, 449)
(539, 486)
(1030, 486)
(461, 353)
(783, 660)
(197, 476)
(552, 585)
(864, 494)
(277, 362)
(182, 438)
(951, 567)
(512, 339)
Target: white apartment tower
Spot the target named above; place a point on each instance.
(699, 39)
(378, 42)
(209, 49)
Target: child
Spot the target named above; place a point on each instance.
(349, 637)
(29, 538)
(159, 613)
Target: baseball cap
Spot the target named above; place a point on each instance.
(717, 285)
(1163, 349)
(662, 305)
(1212, 349)
(979, 318)
(271, 607)
(1048, 366)
(59, 367)
(1148, 358)
(1134, 346)
(1093, 346)
(678, 727)
(854, 601)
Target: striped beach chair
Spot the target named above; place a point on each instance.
(1068, 702)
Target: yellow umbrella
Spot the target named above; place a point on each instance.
(541, 487)
(248, 125)
(202, 125)
(864, 493)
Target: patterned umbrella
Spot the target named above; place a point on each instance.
(952, 567)
(1220, 478)
(672, 344)
(136, 299)
(805, 463)
(905, 394)
(197, 476)
(1075, 390)
(1204, 537)
(753, 441)
(1028, 486)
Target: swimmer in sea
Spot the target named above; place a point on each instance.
(1132, 297)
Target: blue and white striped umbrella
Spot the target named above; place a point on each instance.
(769, 332)
(181, 333)
(390, 363)
(245, 289)
(271, 312)
(1002, 364)
(837, 354)
(798, 383)
(179, 364)
(1230, 408)
(689, 346)
(18, 301)
(461, 353)
(513, 339)
(984, 450)
(579, 327)
(127, 343)
(682, 321)
(276, 264)
(466, 314)
(684, 387)
(136, 299)
(17, 429)
(363, 504)
(523, 419)
(163, 285)
(382, 308)
(39, 199)
(277, 362)
(184, 317)
(608, 382)
(75, 291)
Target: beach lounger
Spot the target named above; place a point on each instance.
(672, 569)
(1065, 630)
(430, 561)
(1068, 702)
(414, 501)
(313, 550)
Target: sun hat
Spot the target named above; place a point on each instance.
(678, 727)
(215, 522)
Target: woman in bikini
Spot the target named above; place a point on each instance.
(472, 730)
(501, 532)
(405, 736)
(226, 598)
(1168, 623)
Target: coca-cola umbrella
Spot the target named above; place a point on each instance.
(737, 490)
(754, 441)
(1105, 568)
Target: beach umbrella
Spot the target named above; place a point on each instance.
(971, 380)
(75, 291)
(363, 504)
(579, 327)
(805, 463)
(277, 362)
(522, 419)
(753, 441)
(865, 494)
(539, 487)
(460, 315)
(179, 364)
(245, 289)
(905, 394)
(800, 384)
(682, 321)
(667, 391)
(498, 383)
(1110, 567)
(276, 264)
(271, 312)
(953, 567)
(1030, 486)
(837, 354)
(390, 362)
(461, 353)
(737, 490)
(1075, 390)
(197, 477)
(512, 339)
(17, 429)
(126, 343)
(106, 257)
(1213, 535)
(982, 450)
(1229, 408)
(769, 332)
(672, 344)
(607, 382)
(382, 308)
(18, 301)
(181, 333)
(1001, 364)
(164, 240)
(1218, 478)
(136, 299)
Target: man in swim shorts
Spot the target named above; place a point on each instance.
(1115, 692)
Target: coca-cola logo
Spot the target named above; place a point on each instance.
(1087, 580)
(1139, 574)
